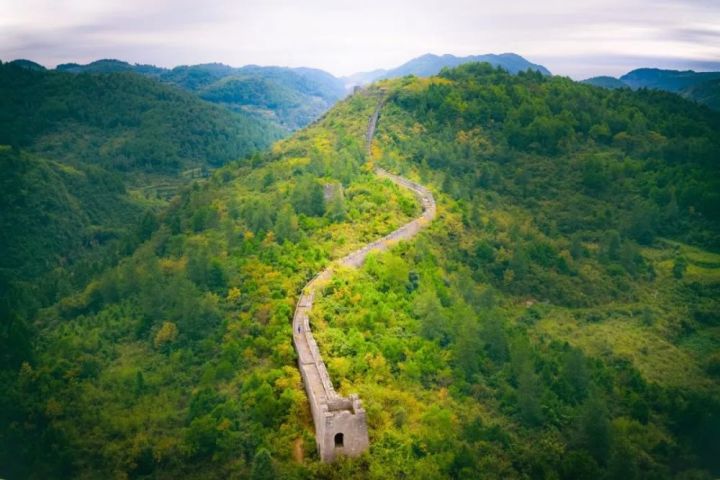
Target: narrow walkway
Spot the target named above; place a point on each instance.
(340, 423)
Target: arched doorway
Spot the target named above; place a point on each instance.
(339, 440)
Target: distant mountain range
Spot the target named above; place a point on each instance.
(290, 98)
(702, 87)
(605, 81)
(430, 64)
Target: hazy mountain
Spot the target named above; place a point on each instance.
(194, 77)
(290, 98)
(430, 64)
(121, 121)
(605, 81)
(28, 64)
(108, 66)
(363, 78)
(668, 80)
(702, 87)
(332, 87)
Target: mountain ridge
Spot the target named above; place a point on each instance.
(700, 87)
(430, 64)
(297, 95)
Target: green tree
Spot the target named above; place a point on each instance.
(529, 392)
(216, 280)
(575, 374)
(679, 267)
(433, 322)
(198, 267)
(204, 217)
(611, 246)
(262, 466)
(336, 206)
(139, 383)
(308, 197)
(520, 264)
(396, 272)
(468, 347)
(259, 216)
(496, 342)
(286, 224)
(148, 225)
(593, 430)
(166, 335)
(201, 436)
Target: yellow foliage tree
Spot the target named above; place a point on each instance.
(233, 295)
(167, 334)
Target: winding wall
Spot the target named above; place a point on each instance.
(340, 422)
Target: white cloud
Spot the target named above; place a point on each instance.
(347, 36)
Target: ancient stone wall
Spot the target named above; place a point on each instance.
(340, 422)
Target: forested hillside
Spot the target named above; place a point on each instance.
(701, 87)
(558, 319)
(605, 81)
(105, 146)
(288, 98)
(564, 330)
(121, 121)
(707, 93)
(204, 302)
(86, 161)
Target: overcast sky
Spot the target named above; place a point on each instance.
(579, 38)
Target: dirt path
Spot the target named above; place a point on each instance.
(298, 452)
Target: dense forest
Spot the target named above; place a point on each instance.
(286, 98)
(557, 320)
(87, 160)
(121, 121)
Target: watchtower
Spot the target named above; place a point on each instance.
(344, 429)
(340, 422)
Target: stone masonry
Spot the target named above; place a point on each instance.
(340, 422)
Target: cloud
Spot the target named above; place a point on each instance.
(346, 36)
(695, 35)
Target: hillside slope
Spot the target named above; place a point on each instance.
(707, 93)
(558, 319)
(87, 159)
(234, 250)
(289, 98)
(121, 121)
